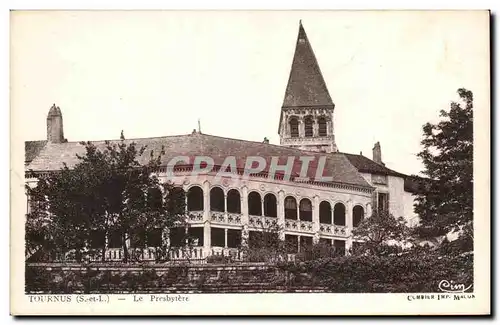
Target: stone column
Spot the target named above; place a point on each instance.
(281, 213)
(315, 218)
(301, 128)
(368, 210)
(348, 243)
(315, 128)
(225, 237)
(206, 218)
(244, 214)
(225, 203)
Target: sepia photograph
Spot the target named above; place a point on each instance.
(309, 157)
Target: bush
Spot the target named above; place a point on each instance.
(218, 259)
(415, 271)
(315, 252)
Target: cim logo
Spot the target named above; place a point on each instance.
(451, 287)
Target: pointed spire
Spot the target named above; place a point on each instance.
(306, 86)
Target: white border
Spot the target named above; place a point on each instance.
(224, 5)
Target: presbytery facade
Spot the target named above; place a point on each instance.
(223, 212)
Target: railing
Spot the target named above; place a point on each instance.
(194, 216)
(299, 225)
(234, 253)
(262, 222)
(191, 254)
(333, 229)
(196, 255)
(225, 218)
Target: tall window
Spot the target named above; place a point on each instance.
(305, 210)
(325, 212)
(308, 126)
(290, 208)
(270, 205)
(339, 214)
(195, 199)
(254, 204)
(195, 235)
(217, 199)
(294, 127)
(322, 130)
(233, 201)
(357, 215)
(383, 202)
(217, 237)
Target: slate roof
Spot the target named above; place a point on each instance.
(366, 165)
(32, 149)
(306, 86)
(52, 155)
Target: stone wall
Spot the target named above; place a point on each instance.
(108, 278)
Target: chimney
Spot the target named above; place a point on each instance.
(266, 140)
(55, 132)
(377, 153)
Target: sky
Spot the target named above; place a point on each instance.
(155, 73)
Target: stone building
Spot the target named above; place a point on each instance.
(225, 210)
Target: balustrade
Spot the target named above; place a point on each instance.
(333, 230)
(299, 225)
(262, 222)
(225, 218)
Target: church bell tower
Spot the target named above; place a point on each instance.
(306, 120)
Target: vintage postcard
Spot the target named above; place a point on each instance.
(250, 162)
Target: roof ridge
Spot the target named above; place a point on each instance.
(126, 139)
(267, 144)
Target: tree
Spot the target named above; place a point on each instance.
(382, 234)
(265, 244)
(444, 202)
(107, 192)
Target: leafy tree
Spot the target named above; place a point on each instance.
(382, 234)
(265, 244)
(107, 192)
(444, 201)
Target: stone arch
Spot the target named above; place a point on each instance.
(291, 208)
(325, 212)
(305, 210)
(339, 214)
(195, 198)
(254, 204)
(358, 214)
(293, 123)
(308, 126)
(270, 205)
(233, 201)
(217, 199)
